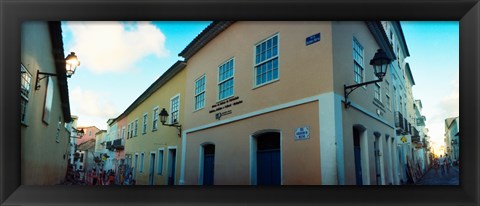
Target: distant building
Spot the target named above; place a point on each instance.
(84, 145)
(87, 162)
(111, 135)
(45, 110)
(452, 137)
(89, 131)
(100, 148)
(151, 149)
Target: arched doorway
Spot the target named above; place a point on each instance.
(268, 158)
(359, 137)
(208, 164)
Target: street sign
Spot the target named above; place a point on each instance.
(312, 39)
(302, 133)
(403, 139)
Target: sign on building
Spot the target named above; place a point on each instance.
(302, 133)
(312, 39)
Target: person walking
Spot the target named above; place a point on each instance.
(435, 165)
(447, 164)
(442, 162)
(94, 177)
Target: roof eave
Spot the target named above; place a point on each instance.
(56, 38)
(209, 33)
(170, 73)
(380, 37)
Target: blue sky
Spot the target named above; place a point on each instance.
(434, 61)
(119, 60)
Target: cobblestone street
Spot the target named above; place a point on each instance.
(434, 177)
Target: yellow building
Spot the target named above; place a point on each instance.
(264, 104)
(45, 109)
(154, 150)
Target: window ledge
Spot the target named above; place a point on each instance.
(264, 84)
(198, 110)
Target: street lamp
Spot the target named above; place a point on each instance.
(80, 133)
(71, 64)
(163, 118)
(380, 64)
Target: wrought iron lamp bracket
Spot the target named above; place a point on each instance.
(349, 89)
(45, 75)
(176, 125)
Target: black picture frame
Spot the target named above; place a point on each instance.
(14, 12)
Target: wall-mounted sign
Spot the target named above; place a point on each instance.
(403, 139)
(302, 133)
(224, 104)
(312, 39)
(220, 114)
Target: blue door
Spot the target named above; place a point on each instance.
(268, 167)
(208, 166)
(358, 165)
(358, 156)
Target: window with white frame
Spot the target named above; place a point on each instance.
(123, 132)
(266, 61)
(225, 79)
(155, 119)
(378, 95)
(141, 162)
(160, 162)
(144, 123)
(131, 129)
(358, 65)
(135, 128)
(387, 99)
(128, 131)
(175, 109)
(26, 79)
(200, 93)
(387, 94)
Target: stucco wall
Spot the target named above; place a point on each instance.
(300, 159)
(304, 71)
(44, 160)
(164, 137)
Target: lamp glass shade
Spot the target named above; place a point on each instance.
(71, 64)
(163, 116)
(380, 63)
(80, 133)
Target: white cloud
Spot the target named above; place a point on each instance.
(92, 108)
(115, 46)
(446, 107)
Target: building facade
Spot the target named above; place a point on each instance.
(89, 134)
(273, 102)
(45, 109)
(152, 150)
(100, 148)
(110, 136)
(452, 138)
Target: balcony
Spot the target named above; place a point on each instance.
(400, 123)
(118, 144)
(109, 145)
(421, 121)
(415, 136)
(425, 143)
